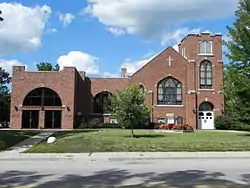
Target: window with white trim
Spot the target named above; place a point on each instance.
(161, 120)
(206, 75)
(205, 47)
(113, 121)
(183, 52)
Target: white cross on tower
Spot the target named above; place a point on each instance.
(170, 59)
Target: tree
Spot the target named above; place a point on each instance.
(129, 108)
(45, 66)
(237, 72)
(1, 18)
(4, 95)
(239, 47)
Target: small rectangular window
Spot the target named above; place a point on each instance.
(183, 51)
(205, 47)
(179, 120)
(113, 121)
(161, 120)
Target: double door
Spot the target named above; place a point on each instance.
(52, 119)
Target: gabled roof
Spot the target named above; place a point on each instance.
(166, 49)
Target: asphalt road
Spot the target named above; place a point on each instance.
(174, 173)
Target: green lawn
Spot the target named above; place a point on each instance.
(118, 140)
(9, 138)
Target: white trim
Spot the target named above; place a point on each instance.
(191, 61)
(191, 91)
(107, 114)
(171, 106)
(206, 89)
(206, 54)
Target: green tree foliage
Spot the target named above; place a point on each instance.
(237, 72)
(4, 95)
(129, 108)
(45, 66)
(1, 18)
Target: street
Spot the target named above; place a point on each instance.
(70, 173)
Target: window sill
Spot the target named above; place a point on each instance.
(101, 114)
(206, 89)
(170, 106)
(206, 54)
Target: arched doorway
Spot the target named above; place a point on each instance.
(42, 100)
(206, 115)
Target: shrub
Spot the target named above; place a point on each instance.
(238, 126)
(109, 125)
(223, 122)
(152, 125)
(175, 127)
(100, 126)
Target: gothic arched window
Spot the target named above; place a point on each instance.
(169, 92)
(206, 75)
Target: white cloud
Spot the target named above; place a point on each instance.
(82, 61)
(110, 75)
(153, 17)
(178, 35)
(23, 27)
(176, 47)
(115, 31)
(54, 30)
(66, 19)
(7, 64)
(133, 66)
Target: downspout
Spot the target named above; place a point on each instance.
(152, 103)
(196, 95)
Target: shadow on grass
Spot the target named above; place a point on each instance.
(242, 134)
(62, 134)
(113, 178)
(9, 138)
(145, 136)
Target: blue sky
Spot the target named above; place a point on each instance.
(101, 36)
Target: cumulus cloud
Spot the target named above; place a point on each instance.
(54, 30)
(82, 61)
(134, 65)
(110, 75)
(179, 34)
(66, 19)
(153, 17)
(7, 64)
(23, 27)
(115, 31)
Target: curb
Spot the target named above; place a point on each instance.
(124, 156)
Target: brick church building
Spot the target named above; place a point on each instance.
(182, 87)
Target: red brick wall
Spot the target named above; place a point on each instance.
(63, 83)
(78, 91)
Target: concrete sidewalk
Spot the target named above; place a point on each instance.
(119, 156)
(26, 144)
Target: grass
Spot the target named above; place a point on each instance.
(117, 140)
(9, 138)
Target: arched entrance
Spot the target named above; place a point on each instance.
(206, 116)
(42, 106)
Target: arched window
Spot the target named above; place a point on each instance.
(102, 102)
(169, 92)
(206, 106)
(42, 97)
(206, 75)
(141, 87)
